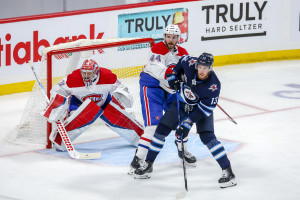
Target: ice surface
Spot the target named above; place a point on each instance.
(264, 99)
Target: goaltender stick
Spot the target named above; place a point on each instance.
(87, 94)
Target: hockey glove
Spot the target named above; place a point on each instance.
(173, 81)
(184, 128)
(169, 71)
(57, 108)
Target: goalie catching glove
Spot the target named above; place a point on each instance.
(122, 95)
(56, 109)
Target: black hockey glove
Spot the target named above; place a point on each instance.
(173, 81)
(184, 128)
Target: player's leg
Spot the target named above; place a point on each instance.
(151, 103)
(77, 122)
(205, 129)
(122, 123)
(167, 123)
(189, 158)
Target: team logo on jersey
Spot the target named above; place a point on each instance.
(94, 97)
(188, 93)
(192, 62)
(213, 87)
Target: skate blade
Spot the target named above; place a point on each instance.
(230, 183)
(144, 176)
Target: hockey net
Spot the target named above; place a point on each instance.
(125, 57)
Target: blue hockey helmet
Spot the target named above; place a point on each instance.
(206, 59)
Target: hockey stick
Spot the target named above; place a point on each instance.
(181, 194)
(227, 114)
(62, 131)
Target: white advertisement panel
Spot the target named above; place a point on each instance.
(215, 26)
(295, 21)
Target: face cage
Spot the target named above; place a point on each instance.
(90, 79)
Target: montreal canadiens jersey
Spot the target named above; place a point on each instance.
(153, 74)
(98, 92)
(204, 94)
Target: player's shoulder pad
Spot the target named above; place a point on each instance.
(106, 76)
(75, 79)
(181, 51)
(160, 48)
(214, 78)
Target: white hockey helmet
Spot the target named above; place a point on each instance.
(172, 29)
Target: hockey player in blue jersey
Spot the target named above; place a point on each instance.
(198, 96)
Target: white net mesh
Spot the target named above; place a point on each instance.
(126, 61)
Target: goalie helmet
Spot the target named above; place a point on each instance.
(90, 72)
(172, 29)
(206, 59)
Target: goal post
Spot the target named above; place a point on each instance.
(123, 56)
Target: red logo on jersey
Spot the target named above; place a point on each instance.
(189, 94)
(94, 97)
(213, 87)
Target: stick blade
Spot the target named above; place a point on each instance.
(181, 194)
(88, 156)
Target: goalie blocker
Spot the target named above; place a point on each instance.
(81, 115)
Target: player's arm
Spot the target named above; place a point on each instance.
(178, 70)
(174, 76)
(156, 66)
(59, 102)
(60, 88)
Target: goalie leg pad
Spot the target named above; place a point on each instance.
(85, 115)
(56, 109)
(78, 122)
(122, 123)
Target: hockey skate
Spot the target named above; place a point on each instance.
(144, 172)
(135, 164)
(188, 157)
(227, 179)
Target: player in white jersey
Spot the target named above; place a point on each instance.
(89, 93)
(155, 93)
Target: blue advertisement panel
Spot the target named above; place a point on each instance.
(152, 23)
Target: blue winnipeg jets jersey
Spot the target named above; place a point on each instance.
(200, 94)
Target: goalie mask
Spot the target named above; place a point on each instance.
(90, 72)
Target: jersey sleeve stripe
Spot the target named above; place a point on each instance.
(206, 113)
(207, 107)
(207, 110)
